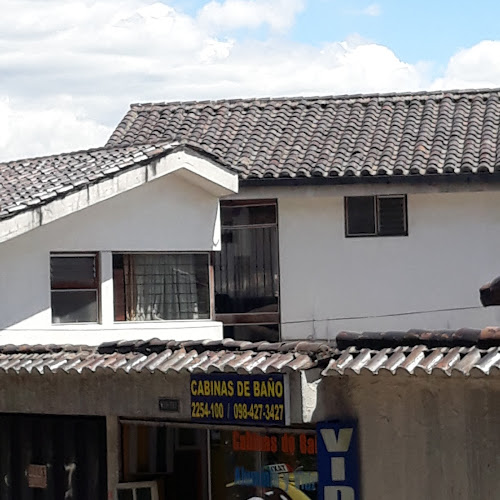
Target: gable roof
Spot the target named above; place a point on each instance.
(31, 182)
(360, 136)
(39, 190)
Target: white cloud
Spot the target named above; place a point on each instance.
(70, 68)
(42, 130)
(233, 14)
(372, 10)
(475, 67)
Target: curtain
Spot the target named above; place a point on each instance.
(160, 287)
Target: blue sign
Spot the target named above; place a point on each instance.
(338, 468)
(227, 398)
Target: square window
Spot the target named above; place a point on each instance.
(376, 216)
(74, 288)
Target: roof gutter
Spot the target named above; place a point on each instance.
(414, 179)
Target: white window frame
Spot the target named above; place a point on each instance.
(152, 485)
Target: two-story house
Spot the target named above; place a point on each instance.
(279, 220)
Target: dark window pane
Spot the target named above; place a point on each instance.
(74, 272)
(360, 217)
(248, 216)
(246, 271)
(79, 306)
(143, 494)
(125, 495)
(252, 333)
(166, 287)
(392, 216)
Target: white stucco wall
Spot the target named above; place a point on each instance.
(330, 283)
(167, 214)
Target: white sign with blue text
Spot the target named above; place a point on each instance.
(338, 467)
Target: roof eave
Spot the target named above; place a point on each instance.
(185, 161)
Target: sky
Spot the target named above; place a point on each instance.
(69, 69)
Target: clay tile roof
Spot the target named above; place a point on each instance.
(359, 136)
(30, 183)
(464, 352)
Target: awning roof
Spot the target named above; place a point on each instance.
(460, 352)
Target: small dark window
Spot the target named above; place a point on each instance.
(74, 288)
(361, 215)
(376, 216)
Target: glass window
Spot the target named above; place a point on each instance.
(253, 332)
(247, 270)
(376, 215)
(248, 215)
(360, 217)
(161, 287)
(74, 288)
(273, 466)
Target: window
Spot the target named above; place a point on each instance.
(376, 216)
(161, 286)
(74, 288)
(147, 490)
(247, 271)
(258, 464)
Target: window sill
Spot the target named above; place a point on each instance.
(95, 334)
(136, 325)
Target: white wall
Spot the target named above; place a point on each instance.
(330, 283)
(167, 214)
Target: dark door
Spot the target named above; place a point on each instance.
(52, 458)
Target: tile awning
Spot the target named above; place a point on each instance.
(459, 352)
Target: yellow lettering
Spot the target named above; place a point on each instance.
(246, 393)
(239, 388)
(200, 388)
(207, 388)
(279, 389)
(230, 388)
(256, 389)
(271, 388)
(193, 387)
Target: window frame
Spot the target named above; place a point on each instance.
(377, 233)
(211, 287)
(256, 318)
(75, 287)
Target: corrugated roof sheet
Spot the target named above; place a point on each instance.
(457, 354)
(407, 135)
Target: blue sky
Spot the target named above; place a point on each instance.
(69, 69)
(426, 30)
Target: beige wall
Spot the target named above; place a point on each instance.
(431, 438)
(421, 437)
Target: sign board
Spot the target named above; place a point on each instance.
(230, 398)
(167, 404)
(37, 476)
(338, 467)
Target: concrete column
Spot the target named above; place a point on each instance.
(107, 300)
(113, 443)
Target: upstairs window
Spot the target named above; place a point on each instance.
(376, 216)
(161, 286)
(247, 270)
(74, 288)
